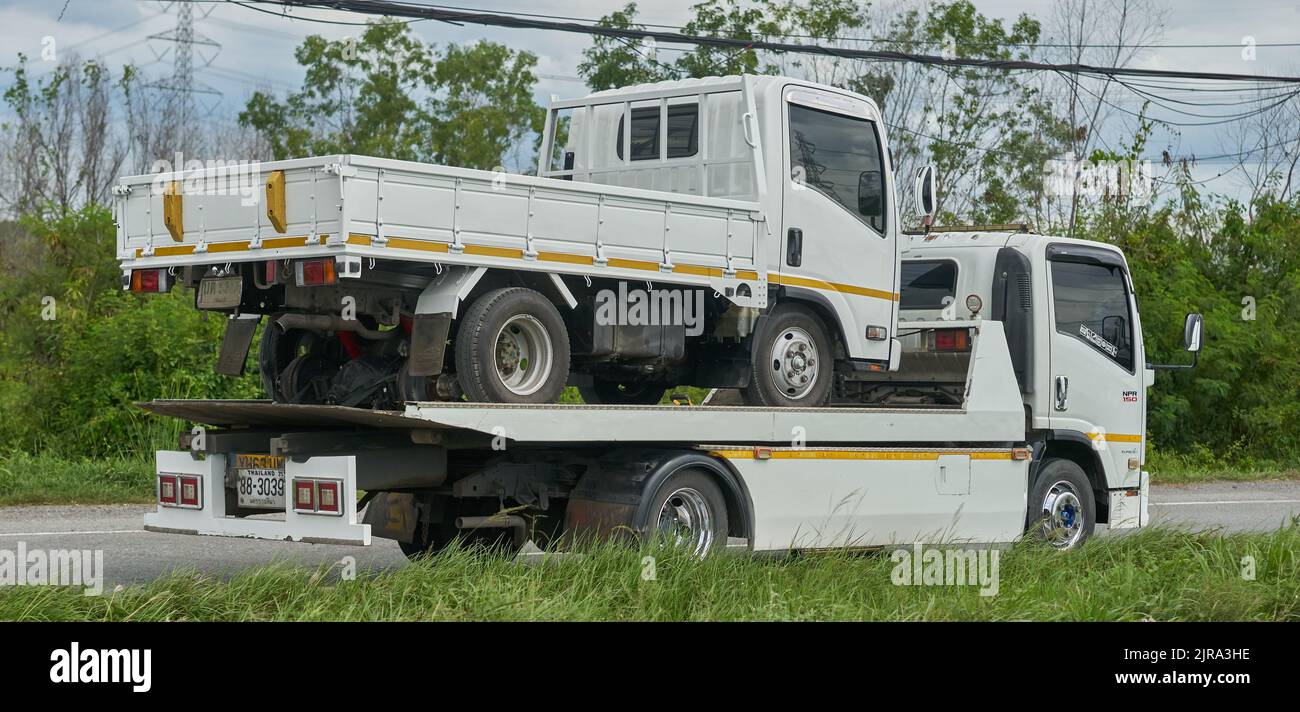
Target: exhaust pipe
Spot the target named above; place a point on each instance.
(495, 521)
(330, 322)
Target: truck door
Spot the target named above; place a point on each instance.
(1096, 375)
(838, 236)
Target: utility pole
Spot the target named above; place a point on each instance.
(182, 86)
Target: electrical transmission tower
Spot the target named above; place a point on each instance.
(182, 87)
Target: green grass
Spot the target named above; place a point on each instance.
(47, 479)
(1160, 574)
(1202, 465)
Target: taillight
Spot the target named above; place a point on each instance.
(184, 491)
(271, 272)
(314, 273)
(951, 340)
(149, 280)
(191, 495)
(311, 496)
(168, 494)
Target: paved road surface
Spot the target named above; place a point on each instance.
(133, 555)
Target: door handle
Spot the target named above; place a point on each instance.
(1062, 391)
(794, 247)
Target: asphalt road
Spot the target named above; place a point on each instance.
(133, 555)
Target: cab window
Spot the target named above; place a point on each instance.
(1092, 304)
(683, 132)
(840, 157)
(927, 284)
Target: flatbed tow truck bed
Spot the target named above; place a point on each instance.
(792, 478)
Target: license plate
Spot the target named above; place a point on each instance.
(220, 292)
(260, 481)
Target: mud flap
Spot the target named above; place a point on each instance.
(392, 515)
(429, 343)
(235, 344)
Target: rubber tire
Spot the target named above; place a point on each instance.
(761, 391)
(279, 348)
(475, 347)
(608, 393)
(1052, 471)
(701, 482)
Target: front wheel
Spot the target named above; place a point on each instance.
(512, 347)
(792, 360)
(1062, 511)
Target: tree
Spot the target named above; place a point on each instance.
(61, 151)
(387, 94)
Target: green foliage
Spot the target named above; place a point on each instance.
(76, 351)
(389, 95)
(616, 62)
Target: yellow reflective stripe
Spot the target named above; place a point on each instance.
(270, 243)
(1116, 437)
(793, 281)
(620, 263)
(565, 257)
(804, 454)
(490, 251)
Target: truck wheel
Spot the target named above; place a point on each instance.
(512, 347)
(1062, 511)
(688, 510)
(277, 350)
(615, 393)
(791, 359)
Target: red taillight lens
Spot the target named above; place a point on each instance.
(168, 492)
(327, 497)
(148, 280)
(318, 497)
(271, 272)
(190, 496)
(312, 273)
(951, 340)
(304, 495)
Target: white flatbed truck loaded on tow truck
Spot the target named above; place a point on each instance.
(970, 424)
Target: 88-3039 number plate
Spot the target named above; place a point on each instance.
(260, 481)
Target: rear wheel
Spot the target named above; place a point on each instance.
(688, 510)
(616, 393)
(1062, 511)
(791, 359)
(291, 363)
(512, 347)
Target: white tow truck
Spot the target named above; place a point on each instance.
(1009, 394)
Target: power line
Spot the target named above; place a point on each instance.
(414, 11)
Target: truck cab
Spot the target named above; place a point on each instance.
(1073, 330)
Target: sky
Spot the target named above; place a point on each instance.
(256, 49)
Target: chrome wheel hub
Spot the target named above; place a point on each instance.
(795, 362)
(1063, 515)
(686, 520)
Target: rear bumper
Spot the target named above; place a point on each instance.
(209, 518)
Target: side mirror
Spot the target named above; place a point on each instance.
(870, 193)
(1192, 329)
(923, 191)
(1193, 337)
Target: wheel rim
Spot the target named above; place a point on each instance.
(523, 354)
(686, 520)
(795, 362)
(1063, 515)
